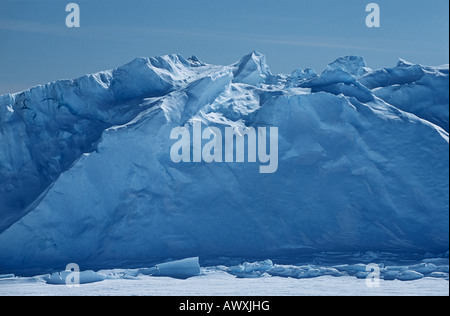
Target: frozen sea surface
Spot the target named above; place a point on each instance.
(213, 282)
(263, 278)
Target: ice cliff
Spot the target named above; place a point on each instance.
(86, 176)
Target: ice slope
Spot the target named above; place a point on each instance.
(417, 89)
(86, 174)
(46, 129)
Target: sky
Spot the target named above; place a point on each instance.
(37, 47)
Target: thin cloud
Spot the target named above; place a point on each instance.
(29, 27)
(324, 43)
(247, 37)
(124, 32)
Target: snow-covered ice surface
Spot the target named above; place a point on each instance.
(86, 175)
(218, 281)
(264, 278)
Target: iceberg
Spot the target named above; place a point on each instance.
(409, 275)
(86, 174)
(180, 269)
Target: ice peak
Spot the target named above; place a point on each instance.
(354, 65)
(195, 62)
(252, 69)
(403, 63)
(255, 53)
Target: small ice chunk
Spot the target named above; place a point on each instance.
(284, 271)
(409, 275)
(180, 269)
(438, 275)
(390, 274)
(307, 272)
(351, 269)
(329, 271)
(131, 274)
(396, 268)
(362, 274)
(251, 270)
(301, 272)
(443, 269)
(424, 268)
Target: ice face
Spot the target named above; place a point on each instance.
(86, 174)
(354, 65)
(417, 89)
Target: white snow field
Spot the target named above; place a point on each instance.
(186, 278)
(221, 284)
(86, 175)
